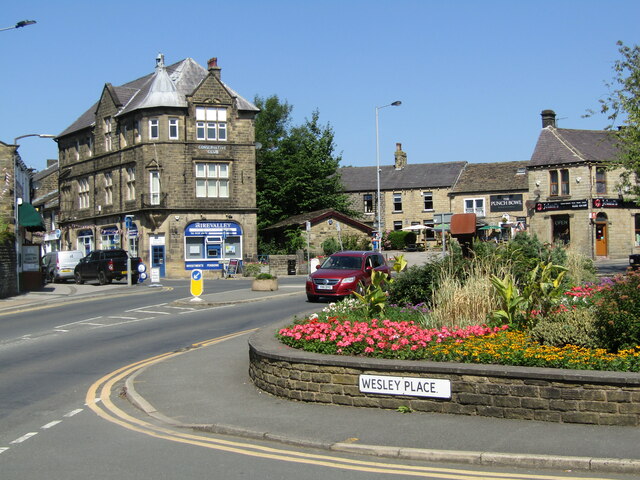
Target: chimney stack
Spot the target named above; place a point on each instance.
(401, 157)
(548, 118)
(213, 67)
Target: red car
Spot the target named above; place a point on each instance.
(343, 273)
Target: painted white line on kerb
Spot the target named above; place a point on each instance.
(3, 449)
(72, 413)
(51, 424)
(79, 321)
(25, 437)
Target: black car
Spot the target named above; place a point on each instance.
(106, 266)
(634, 261)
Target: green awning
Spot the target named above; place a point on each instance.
(29, 218)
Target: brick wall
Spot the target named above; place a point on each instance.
(550, 395)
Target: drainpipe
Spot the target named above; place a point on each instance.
(591, 224)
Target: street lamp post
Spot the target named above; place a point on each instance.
(20, 24)
(379, 220)
(16, 206)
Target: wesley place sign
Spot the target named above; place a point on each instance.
(410, 386)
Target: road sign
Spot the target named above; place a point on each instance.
(197, 283)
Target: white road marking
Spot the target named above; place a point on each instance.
(25, 437)
(51, 424)
(140, 310)
(122, 318)
(3, 449)
(79, 321)
(72, 413)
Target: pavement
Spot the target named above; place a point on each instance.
(208, 388)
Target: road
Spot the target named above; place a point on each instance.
(52, 358)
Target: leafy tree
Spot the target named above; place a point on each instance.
(622, 107)
(297, 167)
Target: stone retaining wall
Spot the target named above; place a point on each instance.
(528, 393)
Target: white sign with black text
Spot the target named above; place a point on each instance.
(411, 386)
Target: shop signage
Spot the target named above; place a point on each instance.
(200, 229)
(413, 386)
(563, 205)
(212, 149)
(613, 203)
(203, 265)
(505, 203)
(52, 235)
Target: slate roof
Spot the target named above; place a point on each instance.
(165, 87)
(557, 146)
(492, 177)
(421, 175)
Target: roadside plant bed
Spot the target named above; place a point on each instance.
(481, 344)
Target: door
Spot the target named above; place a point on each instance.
(157, 258)
(601, 239)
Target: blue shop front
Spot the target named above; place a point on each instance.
(211, 245)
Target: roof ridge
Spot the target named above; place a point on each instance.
(567, 145)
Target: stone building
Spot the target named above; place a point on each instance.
(46, 200)
(323, 225)
(410, 194)
(496, 193)
(576, 198)
(163, 166)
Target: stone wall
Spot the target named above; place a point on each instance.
(527, 393)
(8, 280)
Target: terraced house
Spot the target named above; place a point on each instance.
(577, 198)
(163, 166)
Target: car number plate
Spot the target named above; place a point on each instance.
(324, 287)
(124, 272)
(65, 270)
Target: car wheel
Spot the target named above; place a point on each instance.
(102, 278)
(312, 298)
(78, 277)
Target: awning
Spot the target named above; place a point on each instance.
(29, 218)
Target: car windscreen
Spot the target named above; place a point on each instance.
(343, 263)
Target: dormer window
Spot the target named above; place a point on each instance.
(211, 123)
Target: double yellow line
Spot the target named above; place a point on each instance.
(99, 399)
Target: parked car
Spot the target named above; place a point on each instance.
(634, 261)
(343, 273)
(106, 266)
(58, 266)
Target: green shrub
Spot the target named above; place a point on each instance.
(330, 246)
(265, 276)
(524, 252)
(396, 240)
(575, 326)
(415, 285)
(251, 269)
(618, 312)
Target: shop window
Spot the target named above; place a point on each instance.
(561, 232)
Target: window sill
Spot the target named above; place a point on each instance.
(397, 211)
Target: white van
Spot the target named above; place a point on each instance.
(58, 266)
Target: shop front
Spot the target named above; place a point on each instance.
(211, 245)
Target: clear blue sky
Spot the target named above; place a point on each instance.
(473, 76)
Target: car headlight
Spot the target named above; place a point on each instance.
(348, 280)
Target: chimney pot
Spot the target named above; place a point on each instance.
(398, 147)
(548, 118)
(212, 63)
(400, 157)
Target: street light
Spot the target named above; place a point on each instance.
(379, 220)
(20, 24)
(15, 198)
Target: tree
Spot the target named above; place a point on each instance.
(622, 107)
(297, 167)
